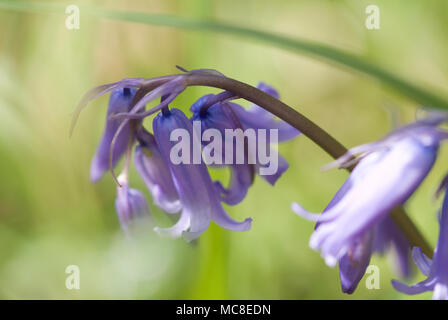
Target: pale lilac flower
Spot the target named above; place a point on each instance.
(198, 196)
(130, 204)
(435, 270)
(354, 262)
(387, 174)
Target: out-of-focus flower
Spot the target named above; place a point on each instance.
(119, 101)
(216, 113)
(130, 204)
(437, 269)
(199, 198)
(387, 174)
(155, 172)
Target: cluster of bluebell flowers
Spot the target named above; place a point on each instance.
(356, 222)
(186, 189)
(354, 225)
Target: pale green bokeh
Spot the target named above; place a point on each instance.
(52, 217)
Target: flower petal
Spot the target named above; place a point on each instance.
(282, 166)
(220, 117)
(197, 193)
(177, 229)
(130, 205)
(426, 285)
(155, 173)
(421, 260)
(240, 181)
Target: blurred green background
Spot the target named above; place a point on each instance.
(51, 216)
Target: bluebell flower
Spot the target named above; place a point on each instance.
(354, 262)
(130, 204)
(436, 269)
(185, 188)
(387, 173)
(200, 200)
(219, 117)
(220, 114)
(119, 102)
(119, 139)
(120, 113)
(155, 172)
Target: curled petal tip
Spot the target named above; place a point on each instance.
(176, 230)
(314, 243)
(191, 236)
(411, 290)
(300, 211)
(227, 222)
(168, 233)
(331, 261)
(400, 286)
(95, 175)
(246, 224)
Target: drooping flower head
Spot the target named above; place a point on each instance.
(435, 270)
(123, 128)
(179, 187)
(387, 173)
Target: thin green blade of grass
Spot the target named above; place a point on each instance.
(314, 49)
